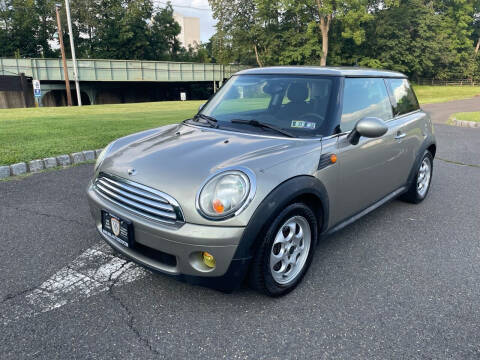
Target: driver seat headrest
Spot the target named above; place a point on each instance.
(297, 92)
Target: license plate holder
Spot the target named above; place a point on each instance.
(118, 229)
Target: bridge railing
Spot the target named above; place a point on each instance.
(119, 70)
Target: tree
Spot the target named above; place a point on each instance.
(242, 29)
(460, 14)
(418, 39)
(200, 53)
(121, 31)
(114, 29)
(270, 26)
(351, 13)
(299, 37)
(163, 31)
(45, 10)
(5, 29)
(85, 22)
(23, 28)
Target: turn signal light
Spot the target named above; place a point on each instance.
(218, 206)
(333, 158)
(208, 259)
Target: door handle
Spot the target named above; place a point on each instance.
(400, 135)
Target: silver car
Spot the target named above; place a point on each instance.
(276, 160)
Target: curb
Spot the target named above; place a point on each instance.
(465, 123)
(34, 166)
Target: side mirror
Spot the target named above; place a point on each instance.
(201, 107)
(370, 127)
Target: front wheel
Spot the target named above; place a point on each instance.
(286, 251)
(421, 184)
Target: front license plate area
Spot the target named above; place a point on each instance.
(117, 229)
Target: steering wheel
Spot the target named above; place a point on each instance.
(311, 114)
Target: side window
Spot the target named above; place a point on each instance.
(364, 97)
(404, 96)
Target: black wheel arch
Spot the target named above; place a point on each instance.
(304, 188)
(428, 144)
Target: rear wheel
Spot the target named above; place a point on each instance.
(421, 185)
(286, 251)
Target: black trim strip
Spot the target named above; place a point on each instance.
(367, 210)
(324, 161)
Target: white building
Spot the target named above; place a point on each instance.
(190, 32)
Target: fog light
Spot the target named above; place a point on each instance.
(208, 259)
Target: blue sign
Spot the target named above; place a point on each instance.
(37, 92)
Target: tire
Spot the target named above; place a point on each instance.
(415, 195)
(270, 272)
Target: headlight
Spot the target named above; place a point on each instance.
(226, 194)
(102, 155)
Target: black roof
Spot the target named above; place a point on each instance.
(321, 70)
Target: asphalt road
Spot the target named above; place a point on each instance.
(403, 282)
(440, 112)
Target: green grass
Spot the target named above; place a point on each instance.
(467, 116)
(36, 133)
(435, 94)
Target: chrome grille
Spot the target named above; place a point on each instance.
(140, 199)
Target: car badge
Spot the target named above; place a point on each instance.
(131, 171)
(115, 226)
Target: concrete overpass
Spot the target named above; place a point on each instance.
(110, 81)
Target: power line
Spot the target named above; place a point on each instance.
(183, 6)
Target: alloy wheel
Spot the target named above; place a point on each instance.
(290, 249)
(423, 178)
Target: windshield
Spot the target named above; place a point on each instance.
(298, 105)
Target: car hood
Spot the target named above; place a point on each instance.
(177, 159)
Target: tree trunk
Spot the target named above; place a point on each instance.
(90, 41)
(477, 47)
(257, 57)
(324, 28)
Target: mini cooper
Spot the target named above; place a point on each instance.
(276, 160)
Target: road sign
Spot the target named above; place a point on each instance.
(37, 91)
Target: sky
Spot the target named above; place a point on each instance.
(195, 8)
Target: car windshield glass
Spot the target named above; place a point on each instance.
(297, 104)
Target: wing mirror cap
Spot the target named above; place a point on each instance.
(370, 127)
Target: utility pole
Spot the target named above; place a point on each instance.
(62, 50)
(74, 59)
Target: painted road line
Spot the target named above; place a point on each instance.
(94, 271)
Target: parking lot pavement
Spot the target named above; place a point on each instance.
(403, 282)
(455, 144)
(458, 145)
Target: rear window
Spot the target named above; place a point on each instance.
(364, 97)
(405, 99)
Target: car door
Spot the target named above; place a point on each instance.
(367, 169)
(408, 126)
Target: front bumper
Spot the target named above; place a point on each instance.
(184, 244)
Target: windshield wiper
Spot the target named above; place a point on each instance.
(209, 119)
(262, 125)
